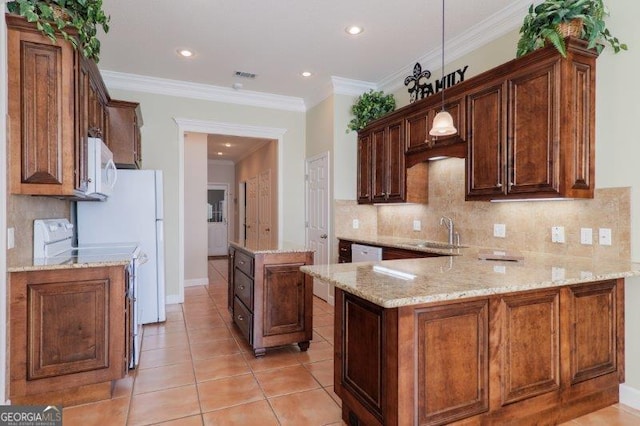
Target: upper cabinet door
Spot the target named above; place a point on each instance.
(486, 141)
(534, 130)
(395, 162)
(364, 168)
(379, 162)
(41, 123)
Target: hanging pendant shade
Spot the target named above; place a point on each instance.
(443, 122)
(443, 125)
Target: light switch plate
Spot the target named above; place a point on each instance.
(604, 236)
(557, 234)
(11, 238)
(586, 236)
(499, 230)
(355, 224)
(417, 225)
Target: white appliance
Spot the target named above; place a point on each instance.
(362, 253)
(133, 212)
(52, 245)
(101, 170)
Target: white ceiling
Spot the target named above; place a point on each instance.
(278, 39)
(239, 147)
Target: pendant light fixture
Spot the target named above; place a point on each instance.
(443, 122)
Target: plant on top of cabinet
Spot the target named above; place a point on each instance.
(553, 20)
(369, 106)
(76, 20)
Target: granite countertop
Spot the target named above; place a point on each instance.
(69, 262)
(440, 279)
(286, 247)
(427, 246)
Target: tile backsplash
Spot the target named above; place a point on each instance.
(528, 224)
(22, 210)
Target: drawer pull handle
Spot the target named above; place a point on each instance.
(241, 287)
(240, 318)
(241, 262)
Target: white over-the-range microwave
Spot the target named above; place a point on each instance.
(101, 170)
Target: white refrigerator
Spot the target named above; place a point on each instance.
(133, 213)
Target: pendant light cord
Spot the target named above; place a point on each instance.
(442, 69)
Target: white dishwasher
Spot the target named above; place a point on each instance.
(362, 253)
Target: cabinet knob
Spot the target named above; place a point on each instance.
(240, 318)
(241, 262)
(241, 287)
(323, 236)
(499, 185)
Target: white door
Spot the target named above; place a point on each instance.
(317, 169)
(264, 210)
(251, 213)
(217, 223)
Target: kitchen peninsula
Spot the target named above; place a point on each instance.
(457, 338)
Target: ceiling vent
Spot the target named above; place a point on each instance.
(244, 74)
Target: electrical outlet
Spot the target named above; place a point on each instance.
(417, 225)
(11, 238)
(586, 236)
(557, 274)
(355, 224)
(557, 234)
(605, 236)
(499, 230)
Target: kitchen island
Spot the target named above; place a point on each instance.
(270, 300)
(457, 339)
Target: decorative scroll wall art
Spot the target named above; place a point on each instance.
(419, 86)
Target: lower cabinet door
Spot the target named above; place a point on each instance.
(284, 296)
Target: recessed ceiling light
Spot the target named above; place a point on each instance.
(185, 53)
(354, 30)
(219, 153)
(306, 74)
(227, 145)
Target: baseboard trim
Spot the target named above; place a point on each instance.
(173, 299)
(196, 281)
(630, 396)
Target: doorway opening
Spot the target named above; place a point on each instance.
(217, 222)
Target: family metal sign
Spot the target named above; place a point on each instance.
(420, 87)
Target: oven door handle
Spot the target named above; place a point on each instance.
(112, 173)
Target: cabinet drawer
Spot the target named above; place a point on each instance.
(243, 319)
(344, 251)
(243, 289)
(244, 262)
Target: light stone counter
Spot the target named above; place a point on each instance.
(427, 246)
(457, 277)
(68, 262)
(286, 248)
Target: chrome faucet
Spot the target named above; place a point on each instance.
(453, 235)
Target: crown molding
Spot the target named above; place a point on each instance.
(340, 86)
(184, 89)
(495, 26)
(231, 129)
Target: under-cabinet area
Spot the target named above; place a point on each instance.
(270, 299)
(69, 333)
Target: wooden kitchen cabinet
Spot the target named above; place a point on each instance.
(365, 166)
(125, 120)
(553, 353)
(531, 127)
(388, 253)
(271, 299)
(417, 125)
(67, 334)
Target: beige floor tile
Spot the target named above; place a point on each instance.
(254, 413)
(201, 335)
(224, 393)
(322, 371)
(169, 376)
(326, 332)
(332, 393)
(95, 413)
(609, 416)
(213, 348)
(174, 316)
(164, 405)
(124, 386)
(164, 340)
(314, 407)
(163, 327)
(317, 337)
(275, 358)
(286, 380)
(184, 421)
(174, 307)
(220, 367)
(318, 351)
(164, 356)
(322, 320)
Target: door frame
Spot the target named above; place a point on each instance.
(224, 187)
(229, 129)
(307, 161)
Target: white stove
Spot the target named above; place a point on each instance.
(52, 245)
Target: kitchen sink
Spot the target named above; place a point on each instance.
(435, 245)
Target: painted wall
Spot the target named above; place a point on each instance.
(266, 158)
(3, 206)
(225, 172)
(160, 151)
(195, 209)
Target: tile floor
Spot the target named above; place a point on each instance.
(196, 369)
